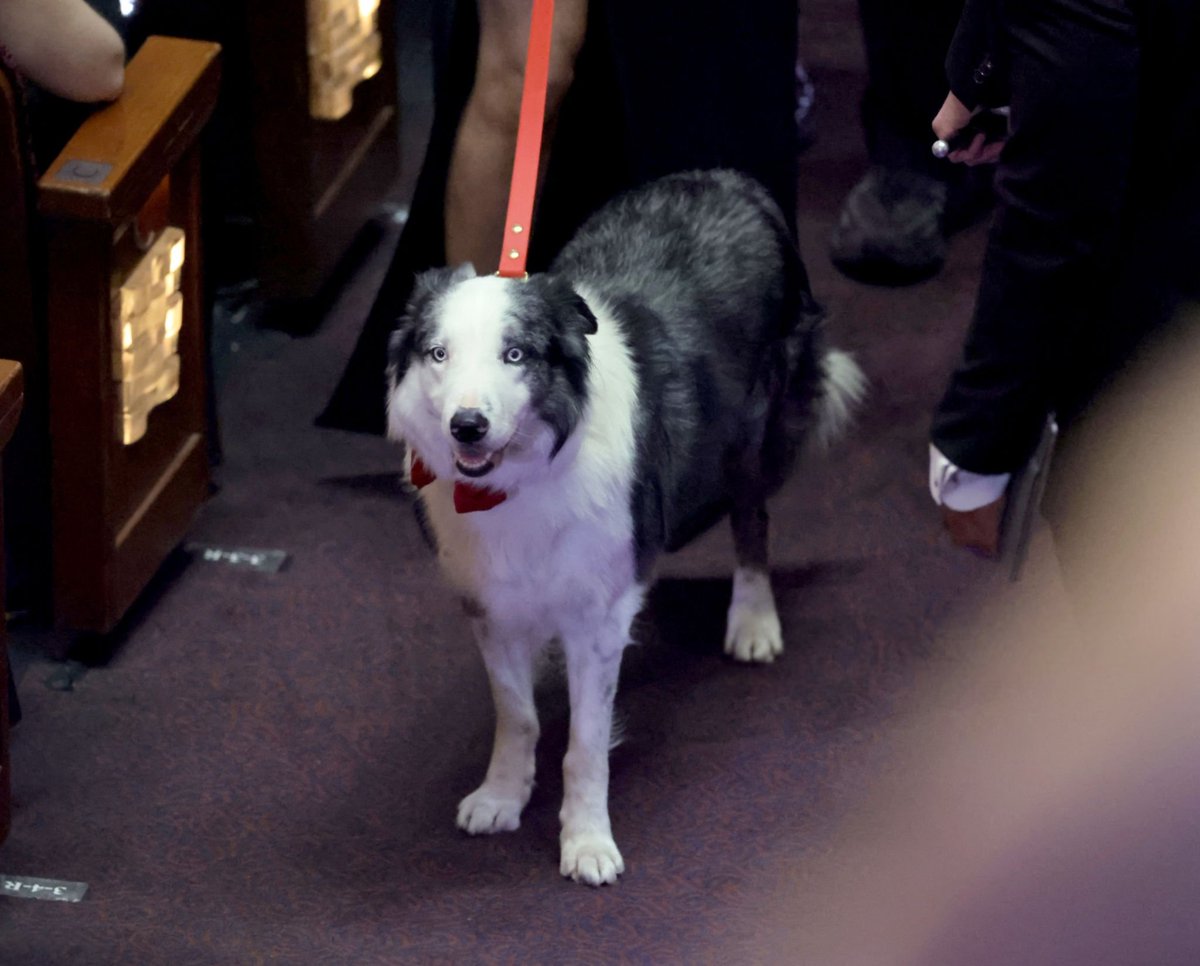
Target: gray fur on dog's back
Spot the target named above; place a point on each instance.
(700, 247)
(702, 275)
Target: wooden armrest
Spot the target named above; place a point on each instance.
(12, 392)
(121, 153)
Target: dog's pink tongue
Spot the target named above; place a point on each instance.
(469, 498)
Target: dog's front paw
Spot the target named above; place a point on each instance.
(754, 638)
(592, 858)
(752, 630)
(484, 812)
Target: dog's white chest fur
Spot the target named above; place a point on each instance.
(535, 568)
(561, 546)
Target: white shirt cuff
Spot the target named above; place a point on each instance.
(959, 489)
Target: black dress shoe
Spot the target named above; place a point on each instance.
(890, 229)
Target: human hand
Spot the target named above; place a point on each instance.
(65, 47)
(953, 117)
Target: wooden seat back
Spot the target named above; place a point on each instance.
(119, 503)
(10, 410)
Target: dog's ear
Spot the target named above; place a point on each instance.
(433, 283)
(573, 321)
(428, 288)
(399, 352)
(568, 353)
(584, 311)
(571, 314)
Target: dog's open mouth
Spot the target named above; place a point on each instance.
(476, 465)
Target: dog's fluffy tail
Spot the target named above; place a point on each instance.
(842, 388)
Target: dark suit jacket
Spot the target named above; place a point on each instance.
(975, 63)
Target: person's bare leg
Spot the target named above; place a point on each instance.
(481, 165)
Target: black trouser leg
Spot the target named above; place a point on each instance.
(906, 43)
(1050, 267)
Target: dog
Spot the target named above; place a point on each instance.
(564, 430)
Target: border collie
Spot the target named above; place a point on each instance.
(564, 430)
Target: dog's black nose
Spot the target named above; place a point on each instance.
(468, 425)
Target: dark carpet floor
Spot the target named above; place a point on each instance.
(266, 768)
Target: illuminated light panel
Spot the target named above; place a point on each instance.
(343, 49)
(147, 317)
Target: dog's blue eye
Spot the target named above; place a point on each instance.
(437, 353)
(514, 355)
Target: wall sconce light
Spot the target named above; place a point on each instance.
(147, 317)
(343, 49)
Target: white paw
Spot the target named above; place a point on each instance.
(757, 638)
(484, 812)
(752, 631)
(592, 858)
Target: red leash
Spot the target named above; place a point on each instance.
(529, 143)
(471, 497)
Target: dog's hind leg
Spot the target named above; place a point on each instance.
(496, 805)
(752, 631)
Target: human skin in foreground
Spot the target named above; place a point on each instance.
(482, 163)
(1042, 804)
(65, 47)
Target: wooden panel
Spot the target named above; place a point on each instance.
(158, 483)
(134, 470)
(119, 510)
(82, 419)
(320, 181)
(22, 338)
(170, 91)
(16, 286)
(11, 394)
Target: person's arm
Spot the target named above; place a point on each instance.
(973, 61)
(976, 81)
(65, 47)
(953, 116)
(1043, 318)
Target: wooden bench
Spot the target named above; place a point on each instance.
(322, 170)
(11, 396)
(105, 325)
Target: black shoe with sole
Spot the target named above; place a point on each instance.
(891, 228)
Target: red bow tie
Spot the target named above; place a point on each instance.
(468, 498)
